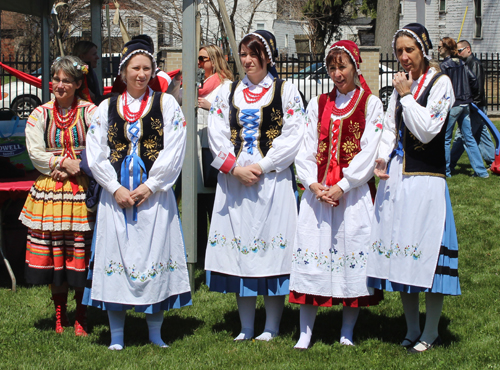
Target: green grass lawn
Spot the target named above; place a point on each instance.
(200, 336)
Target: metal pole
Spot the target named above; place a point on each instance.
(45, 11)
(190, 167)
(95, 27)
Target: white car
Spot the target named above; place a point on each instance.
(22, 97)
(314, 80)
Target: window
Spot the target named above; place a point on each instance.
(134, 26)
(401, 12)
(286, 40)
(165, 34)
(442, 6)
(261, 26)
(86, 30)
(478, 18)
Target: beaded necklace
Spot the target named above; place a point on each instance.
(63, 122)
(133, 117)
(342, 112)
(251, 97)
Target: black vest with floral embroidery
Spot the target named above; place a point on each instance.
(150, 143)
(271, 120)
(419, 158)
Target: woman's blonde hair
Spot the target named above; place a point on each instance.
(219, 63)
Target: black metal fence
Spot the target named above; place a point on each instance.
(307, 72)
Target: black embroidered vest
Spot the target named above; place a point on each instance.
(419, 158)
(150, 143)
(271, 120)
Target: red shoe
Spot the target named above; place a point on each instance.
(60, 303)
(81, 316)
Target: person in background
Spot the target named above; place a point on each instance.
(478, 127)
(217, 74)
(255, 127)
(413, 245)
(136, 147)
(335, 163)
(59, 225)
(465, 86)
(87, 51)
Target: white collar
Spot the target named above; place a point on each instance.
(265, 83)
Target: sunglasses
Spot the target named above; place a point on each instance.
(203, 59)
(462, 49)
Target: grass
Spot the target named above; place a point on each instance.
(200, 336)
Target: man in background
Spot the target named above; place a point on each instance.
(479, 128)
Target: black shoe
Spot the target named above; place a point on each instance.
(422, 346)
(411, 343)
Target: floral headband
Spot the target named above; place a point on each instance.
(81, 67)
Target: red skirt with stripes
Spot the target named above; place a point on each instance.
(316, 300)
(56, 257)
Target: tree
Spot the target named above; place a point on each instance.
(387, 24)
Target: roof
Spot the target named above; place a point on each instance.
(33, 7)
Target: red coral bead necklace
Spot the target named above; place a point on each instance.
(133, 117)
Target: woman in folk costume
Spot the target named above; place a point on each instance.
(413, 244)
(335, 163)
(135, 150)
(59, 226)
(217, 73)
(255, 128)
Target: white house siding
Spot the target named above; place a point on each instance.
(448, 24)
(281, 29)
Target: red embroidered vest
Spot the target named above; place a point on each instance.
(350, 130)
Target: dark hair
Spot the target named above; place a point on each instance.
(466, 44)
(408, 34)
(83, 47)
(255, 45)
(146, 38)
(450, 45)
(334, 56)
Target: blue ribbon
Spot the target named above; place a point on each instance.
(137, 166)
(250, 125)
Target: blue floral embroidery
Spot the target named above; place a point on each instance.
(219, 240)
(156, 269)
(332, 262)
(397, 250)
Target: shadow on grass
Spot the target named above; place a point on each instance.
(462, 169)
(329, 322)
(136, 329)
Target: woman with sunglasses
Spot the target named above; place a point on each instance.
(217, 74)
(255, 128)
(59, 225)
(414, 244)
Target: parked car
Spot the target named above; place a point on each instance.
(314, 80)
(23, 97)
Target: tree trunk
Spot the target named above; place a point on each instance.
(387, 24)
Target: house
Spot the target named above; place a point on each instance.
(443, 18)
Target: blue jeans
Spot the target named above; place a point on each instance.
(482, 137)
(460, 114)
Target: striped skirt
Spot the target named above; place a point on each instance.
(59, 231)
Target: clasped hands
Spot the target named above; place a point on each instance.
(69, 167)
(248, 175)
(325, 194)
(126, 198)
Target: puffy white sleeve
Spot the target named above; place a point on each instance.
(168, 165)
(219, 131)
(361, 168)
(98, 150)
(426, 122)
(305, 162)
(286, 146)
(389, 135)
(35, 142)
